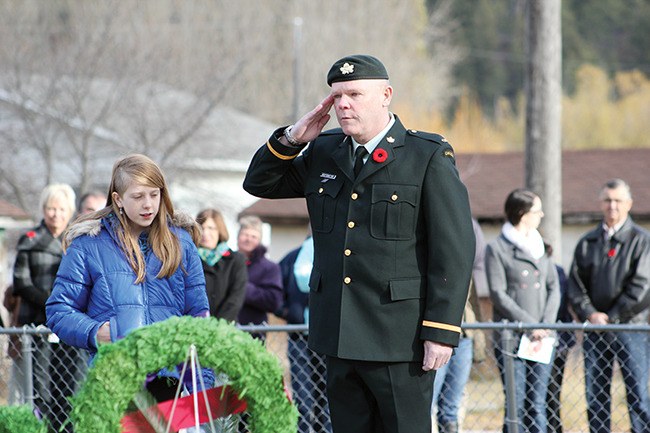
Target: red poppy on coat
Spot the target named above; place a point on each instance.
(379, 155)
(31, 234)
(611, 253)
(226, 254)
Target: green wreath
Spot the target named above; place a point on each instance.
(20, 419)
(120, 370)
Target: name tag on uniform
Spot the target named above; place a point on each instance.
(327, 176)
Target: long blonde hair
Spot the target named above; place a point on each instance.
(141, 170)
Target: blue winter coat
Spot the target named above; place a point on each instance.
(95, 284)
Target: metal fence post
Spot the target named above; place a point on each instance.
(27, 351)
(508, 344)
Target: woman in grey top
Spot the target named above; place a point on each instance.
(524, 288)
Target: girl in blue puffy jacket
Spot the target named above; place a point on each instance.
(131, 264)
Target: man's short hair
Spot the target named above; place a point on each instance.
(617, 183)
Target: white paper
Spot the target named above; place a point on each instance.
(538, 351)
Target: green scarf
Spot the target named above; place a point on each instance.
(211, 257)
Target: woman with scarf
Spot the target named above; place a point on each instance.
(224, 269)
(524, 288)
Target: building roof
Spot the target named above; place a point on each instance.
(490, 177)
(10, 211)
(281, 211)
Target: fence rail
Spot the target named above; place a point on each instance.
(37, 370)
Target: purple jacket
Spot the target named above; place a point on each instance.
(263, 290)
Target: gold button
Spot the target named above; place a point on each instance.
(320, 190)
(393, 197)
(355, 196)
(351, 224)
(347, 280)
(347, 252)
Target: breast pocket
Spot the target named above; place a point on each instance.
(321, 201)
(393, 211)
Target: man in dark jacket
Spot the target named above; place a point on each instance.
(393, 246)
(609, 282)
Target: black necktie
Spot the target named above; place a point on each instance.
(359, 154)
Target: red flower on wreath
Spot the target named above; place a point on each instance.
(379, 155)
(31, 234)
(611, 253)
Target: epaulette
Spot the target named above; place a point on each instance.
(435, 138)
(429, 136)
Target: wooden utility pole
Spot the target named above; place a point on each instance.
(544, 114)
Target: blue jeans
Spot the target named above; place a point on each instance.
(450, 381)
(630, 349)
(531, 383)
(309, 384)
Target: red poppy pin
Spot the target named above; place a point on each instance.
(611, 253)
(379, 155)
(31, 234)
(226, 254)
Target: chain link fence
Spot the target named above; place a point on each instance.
(35, 369)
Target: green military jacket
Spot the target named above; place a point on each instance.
(393, 249)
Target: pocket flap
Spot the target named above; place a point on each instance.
(329, 188)
(395, 194)
(413, 288)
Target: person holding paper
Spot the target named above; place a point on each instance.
(524, 288)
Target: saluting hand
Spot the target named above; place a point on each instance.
(311, 124)
(435, 355)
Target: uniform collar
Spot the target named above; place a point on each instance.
(371, 145)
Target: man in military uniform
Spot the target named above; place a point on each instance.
(393, 245)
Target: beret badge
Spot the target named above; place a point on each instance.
(347, 68)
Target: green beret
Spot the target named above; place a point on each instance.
(357, 67)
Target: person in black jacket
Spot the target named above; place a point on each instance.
(224, 269)
(58, 366)
(609, 282)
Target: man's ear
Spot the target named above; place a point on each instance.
(388, 96)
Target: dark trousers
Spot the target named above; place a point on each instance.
(67, 370)
(308, 381)
(57, 372)
(554, 392)
(630, 349)
(379, 397)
